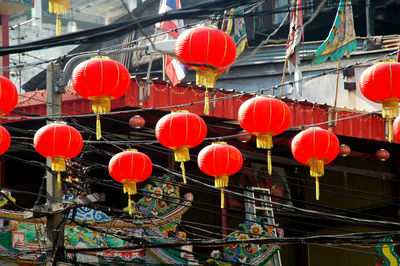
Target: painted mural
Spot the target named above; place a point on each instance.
(156, 217)
(23, 241)
(252, 254)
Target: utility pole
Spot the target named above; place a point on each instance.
(55, 226)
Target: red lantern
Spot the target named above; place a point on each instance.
(137, 122)
(220, 160)
(58, 142)
(100, 80)
(344, 150)
(129, 168)
(8, 96)
(315, 147)
(181, 131)
(380, 83)
(264, 118)
(396, 128)
(207, 50)
(382, 155)
(5, 140)
(244, 136)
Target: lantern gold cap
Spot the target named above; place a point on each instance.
(219, 142)
(130, 149)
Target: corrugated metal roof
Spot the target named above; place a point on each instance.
(163, 95)
(276, 53)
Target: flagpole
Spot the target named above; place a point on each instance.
(283, 77)
(333, 114)
(163, 66)
(337, 83)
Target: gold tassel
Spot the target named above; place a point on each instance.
(130, 211)
(130, 187)
(221, 181)
(58, 164)
(58, 6)
(98, 127)
(58, 25)
(182, 155)
(59, 180)
(205, 78)
(222, 199)
(264, 142)
(206, 103)
(101, 105)
(316, 168)
(390, 136)
(269, 162)
(183, 172)
(390, 109)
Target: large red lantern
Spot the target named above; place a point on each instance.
(220, 160)
(58, 142)
(5, 140)
(380, 83)
(181, 131)
(100, 80)
(264, 117)
(396, 128)
(315, 147)
(8, 96)
(129, 168)
(207, 50)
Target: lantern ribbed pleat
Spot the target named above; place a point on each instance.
(264, 117)
(315, 147)
(380, 83)
(220, 160)
(5, 140)
(8, 96)
(100, 80)
(180, 131)
(209, 52)
(129, 168)
(58, 142)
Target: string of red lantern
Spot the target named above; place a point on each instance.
(315, 147)
(180, 131)
(380, 83)
(207, 50)
(58, 142)
(100, 80)
(8, 101)
(220, 160)
(264, 117)
(8, 96)
(129, 168)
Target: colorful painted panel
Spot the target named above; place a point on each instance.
(251, 253)
(25, 241)
(8, 7)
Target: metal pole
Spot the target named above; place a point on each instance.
(368, 17)
(55, 228)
